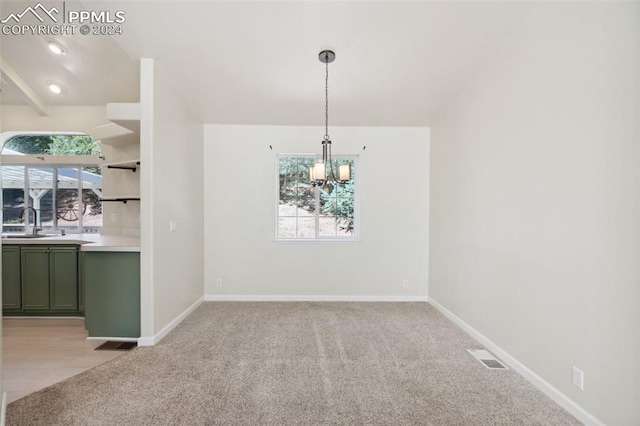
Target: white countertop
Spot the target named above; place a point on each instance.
(87, 242)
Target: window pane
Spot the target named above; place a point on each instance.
(91, 194)
(93, 209)
(341, 207)
(41, 196)
(68, 203)
(69, 208)
(306, 227)
(287, 227)
(52, 145)
(328, 227)
(287, 210)
(12, 197)
(328, 205)
(306, 203)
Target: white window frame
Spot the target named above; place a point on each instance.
(81, 227)
(54, 162)
(355, 237)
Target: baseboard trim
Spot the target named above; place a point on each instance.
(558, 397)
(302, 298)
(119, 339)
(150, 341)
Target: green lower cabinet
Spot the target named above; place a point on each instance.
(39, 280)
(35, 278)
(112, 293)
(63, 279)
(11, 285)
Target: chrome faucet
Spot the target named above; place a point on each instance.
(35, 218)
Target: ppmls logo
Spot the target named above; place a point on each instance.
(40, 20)
(33, 11)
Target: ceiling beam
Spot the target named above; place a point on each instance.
(33, 99)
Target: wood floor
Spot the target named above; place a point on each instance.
(40, 352)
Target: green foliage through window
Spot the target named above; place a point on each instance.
(311, 212)
(54, 145)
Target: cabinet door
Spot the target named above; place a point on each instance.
(35, 278)
(11, 285)
(63, 278)
(112, 294)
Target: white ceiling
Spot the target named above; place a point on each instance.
(94, 72)
(257, 62)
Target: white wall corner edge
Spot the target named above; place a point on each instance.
(150, 341)
(558, 397)
(3, 415)
(303, 298)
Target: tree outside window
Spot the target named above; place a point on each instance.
(306, 212)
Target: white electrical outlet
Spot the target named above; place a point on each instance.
(114, 218)
(219, 282)
(578, 378)
(405, 284)
(173, 225)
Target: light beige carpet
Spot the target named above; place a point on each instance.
(297, 364)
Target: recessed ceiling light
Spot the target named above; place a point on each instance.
(57, 48)
(55, 87)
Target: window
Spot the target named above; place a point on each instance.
(51, 144)
(306, 212)
(65, 194)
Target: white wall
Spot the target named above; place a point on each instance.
(171, 189)
(118, 182)
(534, 217)
(240, 206)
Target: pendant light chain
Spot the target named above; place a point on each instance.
(322, 173)
(326, 102)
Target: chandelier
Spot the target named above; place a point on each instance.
(322, 173)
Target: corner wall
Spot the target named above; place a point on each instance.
(534, 208)
(240, 208)
(171, 190)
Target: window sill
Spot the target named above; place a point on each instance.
(317, 241)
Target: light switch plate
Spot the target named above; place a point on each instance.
(173, 225)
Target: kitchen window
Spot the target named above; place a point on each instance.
(58, 176)
(312, 213)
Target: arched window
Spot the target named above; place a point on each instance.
(51, 144)
(57, 175)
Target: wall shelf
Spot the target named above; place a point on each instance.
(126, 115)
(132, 165)
(120, 199)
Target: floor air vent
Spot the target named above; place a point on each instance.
(487, 359)
(112, 345)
